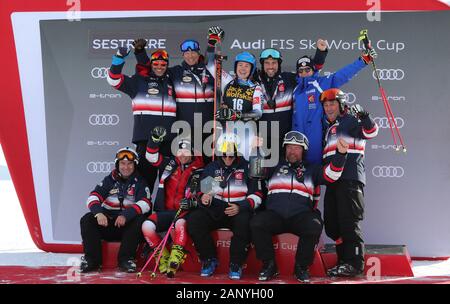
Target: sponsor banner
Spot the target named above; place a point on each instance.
(82, 134)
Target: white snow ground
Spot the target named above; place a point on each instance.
(18, 249)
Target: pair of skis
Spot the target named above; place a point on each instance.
(218, 60)
(387, 107)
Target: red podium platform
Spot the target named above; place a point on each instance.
(380, 260)
(285, 248)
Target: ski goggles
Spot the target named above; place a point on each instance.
(275, 54)
(159, 63)
(159, 55)
(126, 154)
(296, 138)
(189, 45)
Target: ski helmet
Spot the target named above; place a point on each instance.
(246, 57)
(227, 144)
(334, 94)
(296, 138)
(126, 153)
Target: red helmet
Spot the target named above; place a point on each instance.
(334, 94)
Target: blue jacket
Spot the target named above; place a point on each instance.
(308, 111)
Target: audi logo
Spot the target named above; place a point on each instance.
(100, 167)
(99, 72)
(388, 171)
(351, 98)
(383, 122)
(389, 74)
(104, 119)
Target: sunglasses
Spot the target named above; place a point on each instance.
(126, 154)
(189, 45)
(229, 156)
(275, 54)
(304, 70)
(159, 55)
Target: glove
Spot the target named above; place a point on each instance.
(271, 103)
(215, 34)
(358, 111)
(368, 55)
(139, 45)
(187, 203)
(158, 134)
(228, 114)
(122, 52)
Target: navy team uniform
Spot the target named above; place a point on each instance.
(114, 197)
(236, 188)
(291, 206)
(344, 200)
(153, 104)
(278, 94)
(194, 93)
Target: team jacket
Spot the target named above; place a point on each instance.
(295, 189)
(153, 99)
(194, 90)
(175, 180)
(233, 186)
(355, 132)
(244, 96)
(280, 90)
(308, 111)
(134, 191)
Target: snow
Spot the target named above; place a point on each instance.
(18, 249)
(16, 246)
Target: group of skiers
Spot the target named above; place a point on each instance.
(322, 141)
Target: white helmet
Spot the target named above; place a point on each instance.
(126, 153)
(296, 138)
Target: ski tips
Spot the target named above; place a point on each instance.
(398, 148)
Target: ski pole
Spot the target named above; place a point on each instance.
(160, 247)
(389, 114)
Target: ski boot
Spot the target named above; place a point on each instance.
(177, 257)
(86, 266)
(163, 261)
(344, 270)
(127, 266)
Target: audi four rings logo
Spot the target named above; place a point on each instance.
(351, 97)
(389, 74)
(99, 72)
(383, 122)
(99, 167)
(388, 171)
(104, 119)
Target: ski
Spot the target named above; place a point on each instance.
(218, 60)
